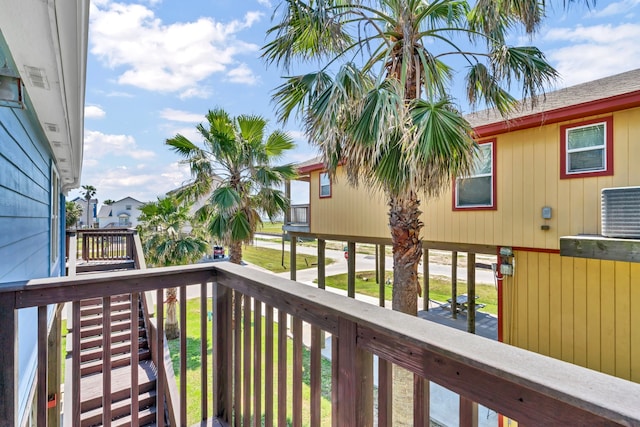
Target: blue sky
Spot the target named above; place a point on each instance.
(156, 66)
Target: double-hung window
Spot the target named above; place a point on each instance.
(587, 149)
(477, 190)
(325, 184)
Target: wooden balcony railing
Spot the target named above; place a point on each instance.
(105, 244)
(254, 381)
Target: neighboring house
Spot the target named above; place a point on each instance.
(41, 139)
(93, 208)
(538, 179)
(123, 213)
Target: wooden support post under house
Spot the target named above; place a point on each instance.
(382, 275)
(471, 293)
(292, 258)
(425, 279)
(351, 269)
(454, 284)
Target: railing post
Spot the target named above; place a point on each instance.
(8, 361)
(130, 244)
(222, 346)
(85, 246)
(355, 381)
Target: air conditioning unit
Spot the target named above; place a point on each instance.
(621, 212)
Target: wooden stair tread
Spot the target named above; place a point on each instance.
(146, 417)
(91, 386)
(98, 301)
(96, 340)
(117, 361)
(97, 319)
(118, 326)
(116, 348)
(97, 309)
(119, 409)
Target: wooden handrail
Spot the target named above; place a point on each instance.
(525, 386)
(107, 244)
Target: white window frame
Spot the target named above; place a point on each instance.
(324, 176)
(492, 174)
(570, 151)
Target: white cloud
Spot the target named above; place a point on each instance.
(98, 145)
(594, 51)
(615, 8)
(116, 94)
(242, 74)
(93, 112)
(144, 182)
(265, 3)
(181, 116)
(165, 57)
(203, 92)
(297, 135)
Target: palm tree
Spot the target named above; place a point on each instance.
(73, 212)
(237, 152)
(169, 238)
(87, 194)
(382, 107)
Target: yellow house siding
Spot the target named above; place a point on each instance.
(349, 211)
(579, 310)
(528, 178)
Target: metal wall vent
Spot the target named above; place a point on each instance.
(621, 212)
(57, 144)
(37, 77)
(52, 127)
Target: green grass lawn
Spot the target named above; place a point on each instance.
(439, 288)
(270, 227)
(194, 365)
(271, 259)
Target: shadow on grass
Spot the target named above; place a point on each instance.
(193, 354)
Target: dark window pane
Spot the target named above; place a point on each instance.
(474, 191)
(592, 160)
(325, 190)
(590, 136)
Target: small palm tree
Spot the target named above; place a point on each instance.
(73, 212)
(382, 106)
(87, 194)
(169, 238)
(238, 152)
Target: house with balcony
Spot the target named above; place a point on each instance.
(555, 196)
(43, 47)
(122, 213)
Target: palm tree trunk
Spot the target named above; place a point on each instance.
(171, 327)
(235, 252)
(405, 226)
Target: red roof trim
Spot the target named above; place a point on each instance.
(311, 168)
(591, 108)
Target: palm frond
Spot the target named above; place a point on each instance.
(526, 65)
(277, 143)
(224, 198)
(251, 127)
(307, 30)
(483, 87)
